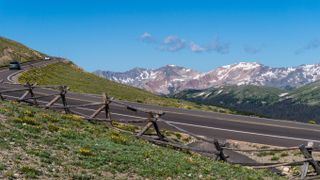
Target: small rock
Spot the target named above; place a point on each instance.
(286, 169)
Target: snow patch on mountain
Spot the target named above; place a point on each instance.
(173, 78)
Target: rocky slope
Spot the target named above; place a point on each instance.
(11, 50)
(164, 80)
(172, 79)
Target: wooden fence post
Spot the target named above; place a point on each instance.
(156, 127)
(28, 91)
(30, 86)
(221, 156)
(147, 126)
(152, 121)
(307, 153)
(63, 99)
(1, 97)
(107, 102)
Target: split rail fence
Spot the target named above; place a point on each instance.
(152, 120)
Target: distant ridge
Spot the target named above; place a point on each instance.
(171, 79)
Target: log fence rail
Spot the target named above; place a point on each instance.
(153, 117)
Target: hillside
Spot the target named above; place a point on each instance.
(11, 50)
(308, 94)
(66, 73)
(301, 104)
(233, 95)
(42, 144)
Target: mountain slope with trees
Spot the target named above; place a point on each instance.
(301, 104)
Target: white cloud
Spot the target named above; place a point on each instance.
(219, 47)
(313, 44)
(216, 46)
(197, 48)
(147, 37)
(173, 43)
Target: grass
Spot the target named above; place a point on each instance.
(66, 73)
(275, 158)
(77, 149)
(312, 122)
(30, 172)
(284, 154)
(266, 153)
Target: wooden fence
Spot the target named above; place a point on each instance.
(151, 121)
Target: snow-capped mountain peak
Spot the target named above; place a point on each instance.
(173, 78)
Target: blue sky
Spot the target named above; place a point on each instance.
(118, 35)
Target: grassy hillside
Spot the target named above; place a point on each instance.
(66, 73)
(308, 94)
(302, 104)
(11, 50)
(41, 144)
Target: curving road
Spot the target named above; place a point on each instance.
(210, 124)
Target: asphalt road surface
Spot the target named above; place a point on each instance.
(209, 124)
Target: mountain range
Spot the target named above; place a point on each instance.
(172, 79)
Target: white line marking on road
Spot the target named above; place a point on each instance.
(249, 122)
(244, 132)
(9, 78)
(136, 117)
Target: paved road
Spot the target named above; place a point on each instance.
(210, 124)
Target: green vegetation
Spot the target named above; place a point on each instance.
(66, 73)
(43, 144)
(275, 158)
(253, 93)
(284, 154)
(265, 153)
(234, 95)
(301, 104)
(308, 94)
(312, 122)
(11, 50)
